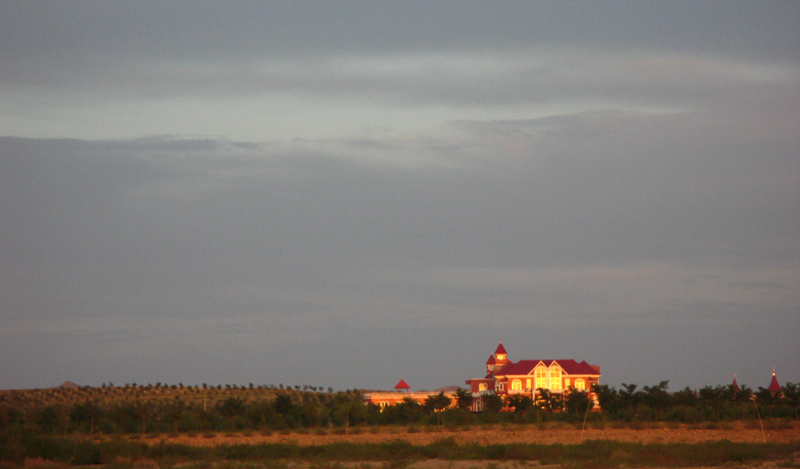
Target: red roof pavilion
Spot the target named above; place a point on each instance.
(402, 385)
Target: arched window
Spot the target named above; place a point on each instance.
(516, 385)
(555, 378)
(541, 378)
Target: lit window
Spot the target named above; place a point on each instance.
(541, 377)
(555, 378)
(482, 387)
(516, 385)
(580, 384)
(528, 384)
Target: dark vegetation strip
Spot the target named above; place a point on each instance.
(137, 409)
(15, 450)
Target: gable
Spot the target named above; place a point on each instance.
(568, 367)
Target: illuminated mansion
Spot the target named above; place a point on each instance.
(525, 377)
(506, 378)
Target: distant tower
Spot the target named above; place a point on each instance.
(735, 385)
(774, 387)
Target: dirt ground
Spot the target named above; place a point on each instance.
(735, 432)
(501, 434)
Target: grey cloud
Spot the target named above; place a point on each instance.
(243, 45)
(243, 29)
(767, 286)
(605, 181)
(281, 217)
(634, 77)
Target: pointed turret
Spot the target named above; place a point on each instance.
(774, 387)
(500, 356)
(735, 385)
(490, 363)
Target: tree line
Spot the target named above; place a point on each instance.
(250, 410)
(709, 403)
(182, 413)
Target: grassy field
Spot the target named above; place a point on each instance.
(54, 451)
(736, 444)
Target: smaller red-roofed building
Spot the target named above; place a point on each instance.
(403, 392)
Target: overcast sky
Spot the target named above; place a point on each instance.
(346, 193)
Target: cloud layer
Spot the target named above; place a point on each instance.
(348, 194)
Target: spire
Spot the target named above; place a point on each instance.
(501, 356)
(773, 385)
(735, 385)
(490, 364)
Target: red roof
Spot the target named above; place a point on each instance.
(571, 367)
(402, 385)
(501, 350)
(773, 385)
(596, 368)
(491, 360)
(499, 369)
(735, 385)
